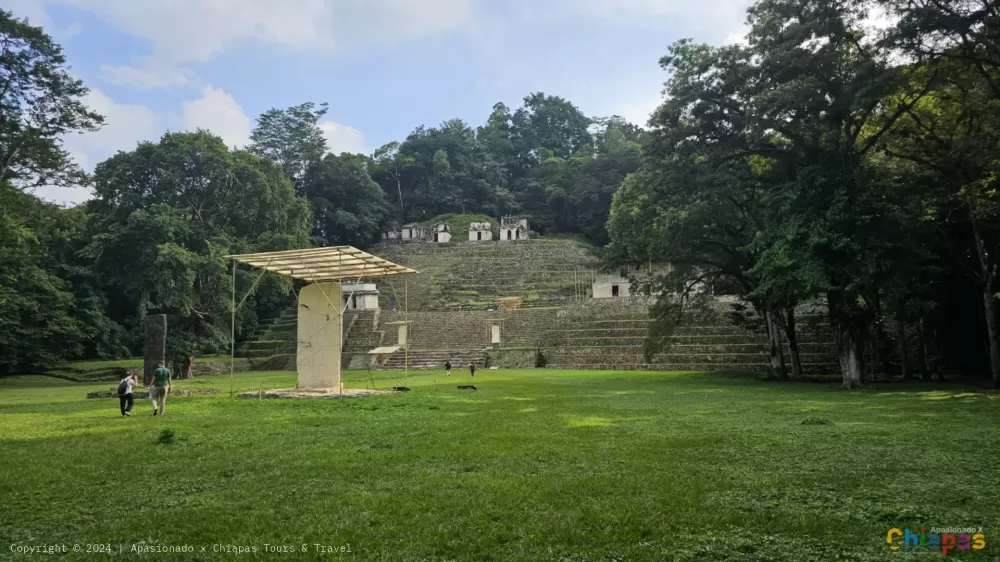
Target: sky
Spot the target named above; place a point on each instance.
(384, 66)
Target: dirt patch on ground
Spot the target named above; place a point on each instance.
(302, 393)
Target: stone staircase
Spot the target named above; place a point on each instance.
(450, 318)
(435, 359)
(443, 331)
(435, 337)
(473, 276)
(276, 336)
(618, 344)
(362, 333)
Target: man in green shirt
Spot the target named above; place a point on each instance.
(160, 388)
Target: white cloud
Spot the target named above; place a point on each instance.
(125, 125)
(343, 138)
(218, 112)
(737, 37)
(638, 112)
(192, 31)
(33, 10)
(707, 19)
(148, 75)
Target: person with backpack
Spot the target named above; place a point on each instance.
(125, 393)
(161, 387)
(447, 367)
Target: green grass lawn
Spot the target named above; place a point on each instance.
(534, 465)
(133, 363)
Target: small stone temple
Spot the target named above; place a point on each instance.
(411, 232)
(391, 232)
(608, 285)
(619, 284)
(442, 232)
(333, 276)
(480, 231)
(360, 296)
(513, 227)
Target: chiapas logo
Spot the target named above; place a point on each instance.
(944, 540)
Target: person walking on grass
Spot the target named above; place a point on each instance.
(160, 388)
(447, 367)
(125, 394)
(472, 369)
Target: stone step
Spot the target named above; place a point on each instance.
(435, 359)
(267, 345)
(686, 346)
(630, 328)
(617, 340)
(807, 368)
(634, 355)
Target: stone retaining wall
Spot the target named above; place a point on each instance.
(512, 358)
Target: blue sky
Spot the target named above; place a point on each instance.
(384, 66)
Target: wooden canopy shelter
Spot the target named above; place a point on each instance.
(318, 266)
(333, 263)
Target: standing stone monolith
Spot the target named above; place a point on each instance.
(155, 349)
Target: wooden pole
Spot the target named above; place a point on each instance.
(406, 325)
(340, 312)
(232, 334)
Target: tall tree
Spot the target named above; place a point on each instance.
(167, 213)
(40, 102)
(965, 32)
(348, 206)
(446, 172)
(292, 138)
(36, 305)
(497, 149)
(953, 135)
(830, 94)
(388, 167)
(702, 196)
(548, 123)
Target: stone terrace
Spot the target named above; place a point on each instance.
(611, 335)
(462, 336)
(472, 276)
(459, 282)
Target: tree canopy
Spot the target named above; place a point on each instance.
(817, 161)
(40, 101)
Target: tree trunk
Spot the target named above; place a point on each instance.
(188, 372)
(155, 348)
(925, 365)
(876, 359)
(987, 275)
(990, 304)
(399, 188)
(848, 343)
(793, 341)
(901, 336)
(774, 346)
(849, 355)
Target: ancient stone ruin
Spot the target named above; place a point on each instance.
(442, 233)
(544, 303)
(155, 347)
(513, 227)
(480, 231)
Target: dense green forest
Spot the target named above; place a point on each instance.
(821, 158)
(824, 158)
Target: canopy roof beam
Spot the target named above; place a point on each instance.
(333, 263)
